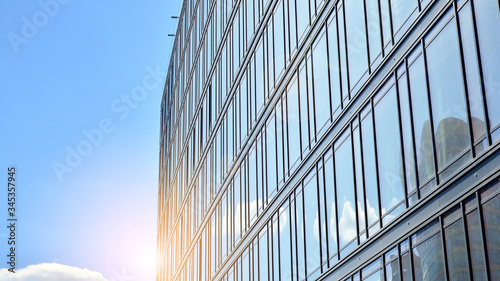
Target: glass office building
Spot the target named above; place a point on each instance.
(331, 140)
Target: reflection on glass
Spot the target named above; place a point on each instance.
(345, 190)
(488, 29)
(456, 252)
(401, 10)
(475, 246)
(321, 86)
(421, 120)
(271, 155)
(252, 183)
(263, 256)
(369, 161)
(428, 255)
(491, 213)
(311, 218)
(333, 64)
(374, 33)
(390, 164)
(279, 55)
(472, 72)
(411, 176)
(302, 17)
(304, 115)
(356, 40)
(330, 207)
(447, 96)
(293, 121)
(299, 211)
(285, 252)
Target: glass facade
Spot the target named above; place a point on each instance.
(331, 140)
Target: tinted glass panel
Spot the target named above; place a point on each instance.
(428, 259)
(475, 246)
(369, 161)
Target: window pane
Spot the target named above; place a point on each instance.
(390, 164)
(447, 96)
(334, 64)
(374, 34)
(252, 183)
(409, 157)
(302, 17)
(476, 246)
(428, 260)
(304, 115)
(271, 155)
(472, 72)
(345, 191)
(401, 10)
(488, 26)
(312, 222)
(360, 203)
(456, 251)
(279, 55)
(293, 121)
(421, 121)
(299, 229)
(284, 247)
(356, 40)
(321, 86)
(330, 207)
(263, 254)
(491, 215)
(369, 162)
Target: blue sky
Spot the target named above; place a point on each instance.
(70, 70)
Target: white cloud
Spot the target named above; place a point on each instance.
(51, 272)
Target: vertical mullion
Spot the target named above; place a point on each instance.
(424, 54)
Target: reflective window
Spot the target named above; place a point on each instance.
(369, 161)
(374, 32)
(356, 40)
(263, 257)
(456, 253)
(447, 96)
(334, 66)
(421, 121)
(475, 246)
(491, 213)
(300, 232)
(344, 182)
(284, 249)
(331, 212)
(488, 29)
(321, 85)
(271, 155)
(428, 254)
(390, 165)
(279, 55)
(472, 72)
(293, 121)
(311, 218)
